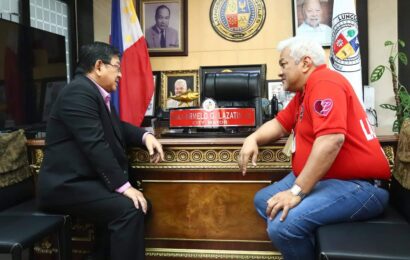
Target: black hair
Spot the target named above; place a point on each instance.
(90, 53)
(161, 7)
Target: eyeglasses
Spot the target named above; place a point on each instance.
(118, 67)
(372, 116)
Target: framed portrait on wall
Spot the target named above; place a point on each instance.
(175, 85)
(164, 24)
(313, 19)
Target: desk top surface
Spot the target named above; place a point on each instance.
(215, 141)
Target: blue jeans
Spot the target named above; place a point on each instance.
(331, 201)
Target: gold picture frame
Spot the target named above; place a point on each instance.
(174, 25)
(168, 79)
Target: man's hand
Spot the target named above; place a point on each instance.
(284, 201)
(137, 197)
(154, 148)
(249, 149)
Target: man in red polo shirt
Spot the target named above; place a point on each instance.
(337, 162)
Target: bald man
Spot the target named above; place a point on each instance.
(180, 87)
(312, 26)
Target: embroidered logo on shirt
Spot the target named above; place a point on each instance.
(323, 107)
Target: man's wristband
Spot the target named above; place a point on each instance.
(297, 191)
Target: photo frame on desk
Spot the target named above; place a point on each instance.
(275, 87)
(164, 24)
(152, 107)
(306, 24)
(167, 89)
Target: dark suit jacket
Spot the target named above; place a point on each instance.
(85, 155)
(153, 37)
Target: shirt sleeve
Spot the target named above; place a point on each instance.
(287, 116)
(327, 105)
(123, 187)
(144, 137)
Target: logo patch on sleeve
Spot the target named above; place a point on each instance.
(323, 107)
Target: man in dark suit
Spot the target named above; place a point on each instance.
(85, 168)
(160, 35)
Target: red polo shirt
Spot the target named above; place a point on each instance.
(329, 105)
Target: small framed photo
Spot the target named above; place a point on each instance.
(275, 87)
(152, 106)
(174, 84)
(313, 19)
(164, 24)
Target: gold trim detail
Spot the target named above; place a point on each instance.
(203, 181)
(83, 232)
(37, 156)
(207, 240)
(212, 254)
(167, 77)
(205, 158)
(389, 153)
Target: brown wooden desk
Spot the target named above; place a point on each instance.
(202, 205)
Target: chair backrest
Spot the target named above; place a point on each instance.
(234, 89)
(16, 183)
(400, 187)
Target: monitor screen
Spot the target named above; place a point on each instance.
(32, 71)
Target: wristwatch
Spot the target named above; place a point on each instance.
(297, 191)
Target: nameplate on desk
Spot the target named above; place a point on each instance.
(218, 117)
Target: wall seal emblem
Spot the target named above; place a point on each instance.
(345, 54)
(237, 20)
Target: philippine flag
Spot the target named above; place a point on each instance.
(136, 86)
(345, 48)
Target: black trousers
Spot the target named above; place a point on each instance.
(119, 224)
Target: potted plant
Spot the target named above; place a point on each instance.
(400, 184)
(401, 95)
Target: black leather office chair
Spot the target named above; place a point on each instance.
(21, 224)
(235, 89)
(384, 237)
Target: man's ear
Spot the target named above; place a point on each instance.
(307, 63)
(97, 67)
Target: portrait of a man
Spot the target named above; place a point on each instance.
(314, 20)
(180, 87)
(162, 23)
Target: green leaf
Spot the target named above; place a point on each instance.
(389, 106)
(396, 127)
(406, 112)
(402, 87)
(401, 42)
(377, 73)
(404, 96)
(403, 58)
(387, 43)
